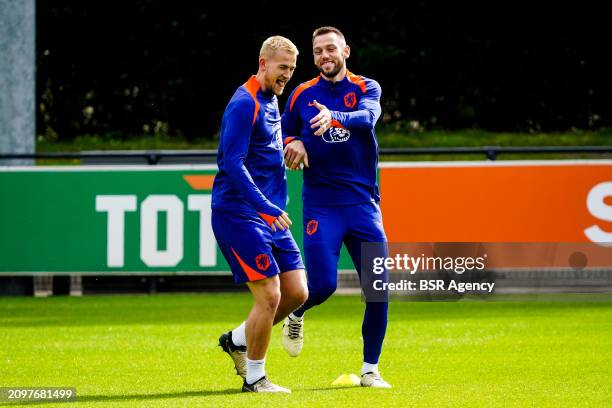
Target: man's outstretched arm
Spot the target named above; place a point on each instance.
(368, 110)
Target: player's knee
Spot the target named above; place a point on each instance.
(270, 299)
(296, 296)
(300, 295)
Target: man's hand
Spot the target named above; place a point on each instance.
(323, 120)
(282, 222)
(295, 153)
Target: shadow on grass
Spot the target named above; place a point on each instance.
(333, 388)
(140, 397)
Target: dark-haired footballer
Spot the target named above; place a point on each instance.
(328, 126)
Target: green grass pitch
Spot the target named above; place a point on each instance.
(161, 351)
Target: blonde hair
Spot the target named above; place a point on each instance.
(275, 43)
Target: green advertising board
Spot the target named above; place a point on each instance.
(115, 219)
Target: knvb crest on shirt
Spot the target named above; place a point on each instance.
(350, 100)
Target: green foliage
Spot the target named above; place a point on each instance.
(404, 136)
(108, 142)
(392, 136)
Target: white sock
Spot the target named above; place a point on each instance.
(255, 370)
(239, 335)
(296, 318)
(369, 368)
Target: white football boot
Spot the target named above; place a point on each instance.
(264, 385)
(373, 380)
(292, 336)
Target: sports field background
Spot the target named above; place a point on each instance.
(161, 351)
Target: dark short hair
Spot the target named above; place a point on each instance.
(326, 30)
